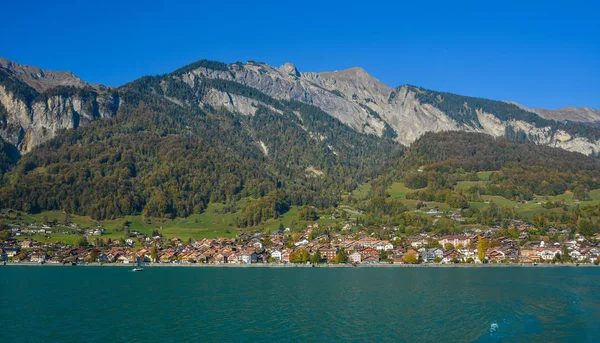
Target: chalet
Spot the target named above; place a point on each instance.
(495, 255)
(452, 256)
(511, 253)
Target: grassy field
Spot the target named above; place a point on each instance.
(484, 176)
(362, 191)
(399, 190)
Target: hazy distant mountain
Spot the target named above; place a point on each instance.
(570, 113)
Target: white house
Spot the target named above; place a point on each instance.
(276, 255)
(302, 242)
(244, 258)
(355, 257)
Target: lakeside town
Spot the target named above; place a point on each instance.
(314, 244)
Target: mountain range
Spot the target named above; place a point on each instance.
(168, 145)
(35, 104)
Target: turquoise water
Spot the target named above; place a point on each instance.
(103, 304)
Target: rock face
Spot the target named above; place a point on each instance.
(35, 104)
(367, 105)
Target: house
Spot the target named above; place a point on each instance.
(370, 255)
(219, 258)
(576, 255)
(355, 257)
(452, 256)
(455, 240)
(302, 242)
(276, 255)
(285, 256)
(38, 256)
(495, 255)
(429, 255)
(371, 259)
(547, 254)
(102, 258)
(10, 252)
(245, 258)
(529, 256)
(329, 254)
(26, 244)
(418, 242)
(257, 244)
(233, 258)
(511, 253)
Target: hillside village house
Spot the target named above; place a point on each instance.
(329, 254)
(276, 255)
(455, 240)
(355, 257)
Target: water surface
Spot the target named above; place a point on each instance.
(161, 304)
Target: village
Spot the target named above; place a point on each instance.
(312, 245)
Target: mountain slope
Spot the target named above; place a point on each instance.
(405, 113)
(167, 153)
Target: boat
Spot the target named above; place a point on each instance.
(138, 267)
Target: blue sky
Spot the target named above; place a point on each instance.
(540, 54)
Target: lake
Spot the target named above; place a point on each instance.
(170, 304)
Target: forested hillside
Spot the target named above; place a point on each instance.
(166, 158)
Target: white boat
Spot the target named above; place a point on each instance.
(138, 267)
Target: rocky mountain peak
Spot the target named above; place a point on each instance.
(289, 69)
(40, 79)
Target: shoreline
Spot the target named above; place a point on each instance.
(291, 265)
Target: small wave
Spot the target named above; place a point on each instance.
(493, 327)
